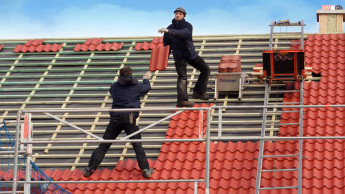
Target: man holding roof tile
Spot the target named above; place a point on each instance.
(126, 93)
(179, 36)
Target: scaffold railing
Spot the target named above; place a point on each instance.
(22, 142)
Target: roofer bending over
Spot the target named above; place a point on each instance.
(126, 93)
(179, 36)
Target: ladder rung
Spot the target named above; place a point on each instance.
(286, 155)
(286, 33)
(287, 24)
(281, 124)
(284, 42)
(282, 103)
(282, 111)
(280, 170)
(272, 188)
(282, 91)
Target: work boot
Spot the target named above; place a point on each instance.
(203, 96)
(148, 172)
(185, 103)
(88, 171)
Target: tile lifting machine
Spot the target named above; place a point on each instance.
(284, 65)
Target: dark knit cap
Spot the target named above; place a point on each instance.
(180, 9)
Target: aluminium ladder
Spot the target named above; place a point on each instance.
(260, 171)
(287, 23)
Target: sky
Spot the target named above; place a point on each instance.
(23, 19)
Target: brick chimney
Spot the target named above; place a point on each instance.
(330, 19)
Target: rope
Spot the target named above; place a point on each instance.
(7, 163)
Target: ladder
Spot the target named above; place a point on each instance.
(260, 171)
(287, 23)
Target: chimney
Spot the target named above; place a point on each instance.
(330, 19)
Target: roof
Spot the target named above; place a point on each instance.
(80, 80)
(233, 164)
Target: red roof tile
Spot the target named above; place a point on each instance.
(35, 42)
(156, 42)
(159, 53)
(159, 58)
(324, 52)
(96, 44)
(296, 45)
(37, 46)
(94, 41)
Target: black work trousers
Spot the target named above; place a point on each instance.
(116, 125)
(181, 69)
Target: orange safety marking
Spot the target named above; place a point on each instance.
(26, 122)
(201, 124)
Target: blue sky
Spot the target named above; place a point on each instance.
(122, 18)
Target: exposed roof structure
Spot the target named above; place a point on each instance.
(70, 79)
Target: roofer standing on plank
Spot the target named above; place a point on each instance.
(179, 36)
(126, 93)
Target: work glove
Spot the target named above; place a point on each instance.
(162, 30)
(147, 75)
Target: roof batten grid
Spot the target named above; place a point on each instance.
(64, 105)
(4, 79)
(167, 86)
(92, 129)
(32, 94)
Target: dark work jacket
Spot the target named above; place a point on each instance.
(126, 93)
(180, 39)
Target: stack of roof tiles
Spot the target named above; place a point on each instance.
(96, 44)
(156, 42)
(37, 46)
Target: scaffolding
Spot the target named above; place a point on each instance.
(204, 137)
